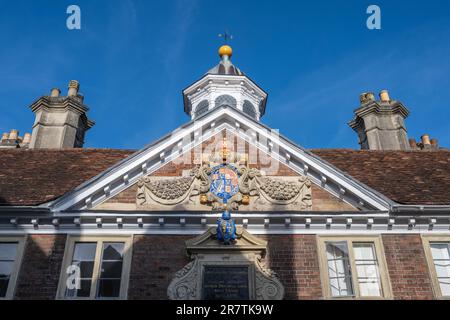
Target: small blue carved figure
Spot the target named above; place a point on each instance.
(226, 228)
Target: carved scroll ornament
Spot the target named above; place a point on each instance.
(256, 191)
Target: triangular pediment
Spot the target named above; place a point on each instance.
(207, 241)
(224, 120)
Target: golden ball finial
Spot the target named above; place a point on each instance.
(225, 50)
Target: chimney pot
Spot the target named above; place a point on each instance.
(55, 92)
(13, 134)
(26, 138)
(384, 96)
(74, 86)
(434, 142)
(426, 139)
(412, 143)
(366, 97)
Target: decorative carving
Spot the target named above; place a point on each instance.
(284, 192)
(268, 287)
(184, 284)
(205, 250)
(225, 174)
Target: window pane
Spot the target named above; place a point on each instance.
(364, 251)
(440, 251)
(445, 286)
(111, 270)
(6, 268)
(367, 270)
(202, 108)
(339, 271)
(442, 268)
(441, 257)
(3, 287)
(86, 268)
(369, 289)
(84, 258)
(108, 288)
(112, 251)
(83, 292)
(8, 251)
(84, 251)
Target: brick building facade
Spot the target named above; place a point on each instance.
(311, 224)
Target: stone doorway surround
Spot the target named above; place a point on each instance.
(206, 250)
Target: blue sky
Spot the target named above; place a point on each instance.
(314, 58)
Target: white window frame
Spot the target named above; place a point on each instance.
(426, 241)
(68, 256)
(386, 289)
(10, 292)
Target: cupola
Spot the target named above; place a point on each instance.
(224, 84)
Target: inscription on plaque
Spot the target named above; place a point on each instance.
(225, 283)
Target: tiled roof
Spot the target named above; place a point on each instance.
(407, 177)
(32, 177)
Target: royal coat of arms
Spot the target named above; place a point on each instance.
(224, 182)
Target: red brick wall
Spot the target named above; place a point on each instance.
(407, 266)
(295, 259)
(156, 259)
(41, 267)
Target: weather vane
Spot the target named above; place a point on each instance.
(226, 36)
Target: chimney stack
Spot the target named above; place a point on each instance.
(13, 134)
(380, 124)
(60, 123)
(5, 136)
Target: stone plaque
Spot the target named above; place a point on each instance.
(225, 283)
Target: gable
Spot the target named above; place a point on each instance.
(193, 134)
(178, 169)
